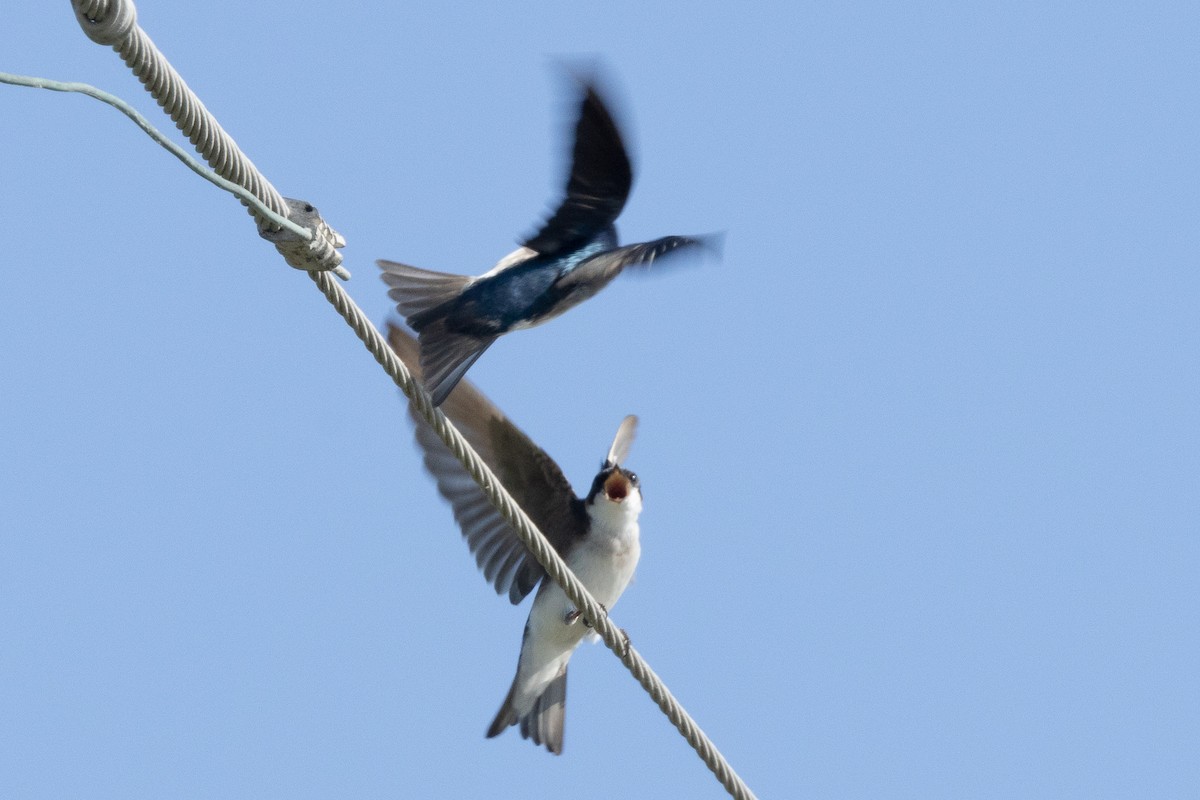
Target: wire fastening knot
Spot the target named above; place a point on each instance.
(319, 253)
(106, 22)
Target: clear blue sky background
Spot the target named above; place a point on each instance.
(921, 455)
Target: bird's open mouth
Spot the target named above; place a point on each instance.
(616, 488)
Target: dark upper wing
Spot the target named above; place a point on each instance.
(599, 269)
(531, 476)
(599, 184)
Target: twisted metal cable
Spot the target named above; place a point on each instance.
(114, 23)
(280, 221)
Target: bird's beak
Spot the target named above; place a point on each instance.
(616, 487)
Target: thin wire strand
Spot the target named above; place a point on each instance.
(114, 23)
(247, 198)
(174, 149)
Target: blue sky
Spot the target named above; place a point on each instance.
(920, 456)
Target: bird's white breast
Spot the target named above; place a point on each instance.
(606, 559)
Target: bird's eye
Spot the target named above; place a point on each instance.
(633, 478)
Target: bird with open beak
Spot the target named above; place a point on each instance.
(596, 535)
(573, 256)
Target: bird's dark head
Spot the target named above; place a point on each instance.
(615, 484)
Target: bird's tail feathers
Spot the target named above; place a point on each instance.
(506, 716)
(446, 357)
(417, 290)
(544, 723)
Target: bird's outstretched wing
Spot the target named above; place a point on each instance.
(622, 441)
(599, 183)
(600, 269)
(529, 474)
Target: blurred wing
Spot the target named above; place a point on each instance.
(529, 474)
(623, 441)
(599, 184)
(600, 269)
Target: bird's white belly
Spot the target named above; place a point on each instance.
(604, 565)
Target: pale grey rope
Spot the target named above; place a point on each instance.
(114, 23)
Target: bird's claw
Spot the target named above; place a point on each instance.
(575, 615)
(625, 642)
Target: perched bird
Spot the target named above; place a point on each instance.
(572, 257)
(596, 535)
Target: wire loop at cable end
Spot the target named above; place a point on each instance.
(105, 22)
(318, 253)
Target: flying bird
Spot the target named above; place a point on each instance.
(573, 256)
(597, 535)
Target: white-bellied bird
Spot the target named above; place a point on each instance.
(597, 536)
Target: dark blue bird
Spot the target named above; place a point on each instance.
(572, 257)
